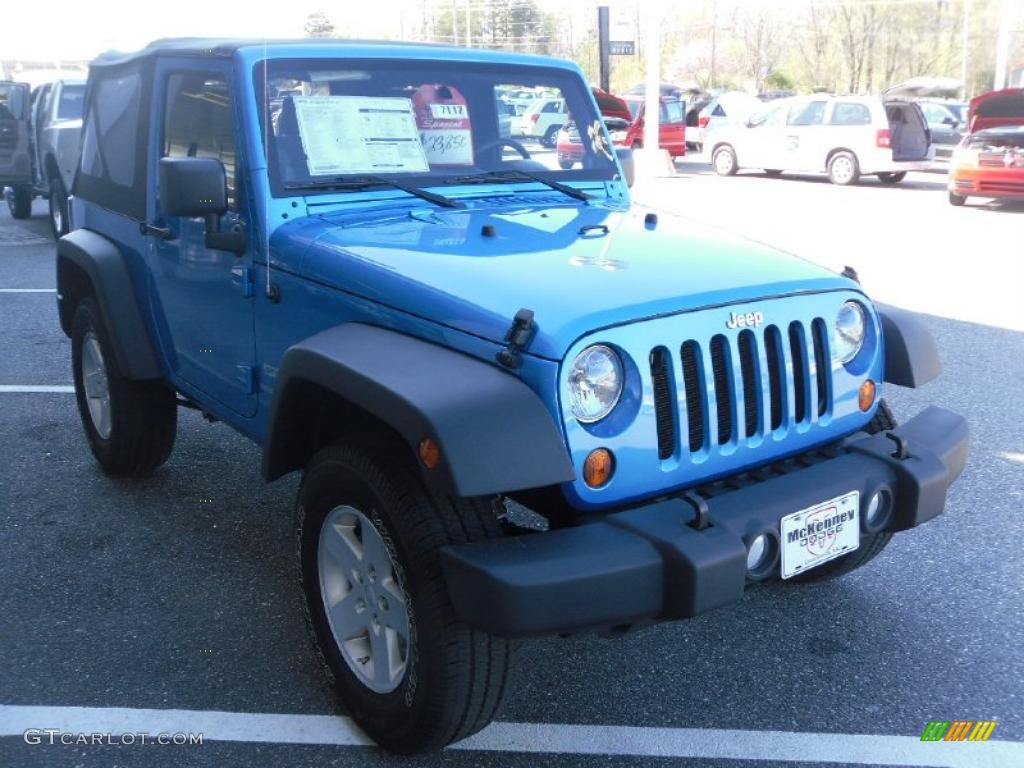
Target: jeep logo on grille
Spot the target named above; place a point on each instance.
(749, 320)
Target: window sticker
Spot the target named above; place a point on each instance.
(442, 117)
(358, 134)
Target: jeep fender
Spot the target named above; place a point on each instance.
(911, 355)
(88, 263)
(494, 433)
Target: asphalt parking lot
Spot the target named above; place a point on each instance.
(178, 592)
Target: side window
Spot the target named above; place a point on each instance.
(671, 112)
(718, 111)
(70, 104)
(110, 137)
(811, 113)
(849, 113)
(198, 121)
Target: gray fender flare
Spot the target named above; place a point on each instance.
(911, 355)
(495, 434)
(104, 267)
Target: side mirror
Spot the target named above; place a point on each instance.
(950, 121)
(625, 156)
(195, 187)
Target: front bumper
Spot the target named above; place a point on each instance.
(649, 563)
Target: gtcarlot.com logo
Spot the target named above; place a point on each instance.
(958, 730)
(52, 736)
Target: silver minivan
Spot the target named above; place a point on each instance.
(844, 136)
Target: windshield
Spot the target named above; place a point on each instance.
(420, 122)
(998, 140)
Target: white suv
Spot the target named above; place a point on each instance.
(542, 120)
(844, 136)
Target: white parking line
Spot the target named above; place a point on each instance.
(549, 738)
(28, 290)
(35, 388)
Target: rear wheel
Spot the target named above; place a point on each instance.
(892, 178)
(843, 169)
(19, 202)
(58, 209)
(871, 544)
(724, 161)
(957, 200)
(369, 537)
(130, 424)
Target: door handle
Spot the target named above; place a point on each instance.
(151, 230)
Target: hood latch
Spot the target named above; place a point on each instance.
(517, 339)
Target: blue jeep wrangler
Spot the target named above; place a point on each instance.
(521, 405)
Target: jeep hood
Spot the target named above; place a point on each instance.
(578, 267)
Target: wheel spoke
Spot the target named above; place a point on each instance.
(340, 544)
(347, 619)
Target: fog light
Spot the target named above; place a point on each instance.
(758, 552)
(866, 396)
(878, 508)
(598, 468)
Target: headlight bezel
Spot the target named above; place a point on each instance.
(845, 346)
(618, 367)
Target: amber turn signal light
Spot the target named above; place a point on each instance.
(866, 396)
(598, 468)
(430, 453)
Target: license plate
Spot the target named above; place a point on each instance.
(820, 533)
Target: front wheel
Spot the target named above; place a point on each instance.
(550, 137)
(58, 209)
(19, 202)
(565, 163)
(369, 537)
(843, 169)
(957, 200)
(724, 161)
(130, 424)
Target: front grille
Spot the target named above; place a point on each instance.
(1012, 187)
(731, 383)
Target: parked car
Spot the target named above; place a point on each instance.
(569, 147)
(728, 108)
(990, 160)
(846, 137)
(671, 124)
(506, 114)
(16, 148)
(56, 133)
(521, 405)
(947, 122)
(542, 120)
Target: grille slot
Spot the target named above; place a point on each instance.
(664, 401)
(773, 353)
(722, 379)
(801, 384)
(749, 376)
(693, 385)
(822, 365)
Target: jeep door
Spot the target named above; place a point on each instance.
(205, 295)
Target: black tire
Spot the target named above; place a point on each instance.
(843, 169)
(550, 137)
(455, 677)
(723, 160)
(772, 172)
(637, 145)
(143, 414)
(892, 178)
(565, 164)
(58, 209)
(957, 200)
(19, 202)
(870, 544)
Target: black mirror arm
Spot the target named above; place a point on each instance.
(233, 241)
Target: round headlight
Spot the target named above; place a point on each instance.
(595, 383)
(849, 332)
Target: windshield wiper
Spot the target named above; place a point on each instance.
(365, 182)
(517, 175)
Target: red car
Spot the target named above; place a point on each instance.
(671, 124)
(617, 117)
(989, 162)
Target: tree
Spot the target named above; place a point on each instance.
(318, 25)
(757, 31)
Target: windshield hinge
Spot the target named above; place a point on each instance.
(517, 339)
